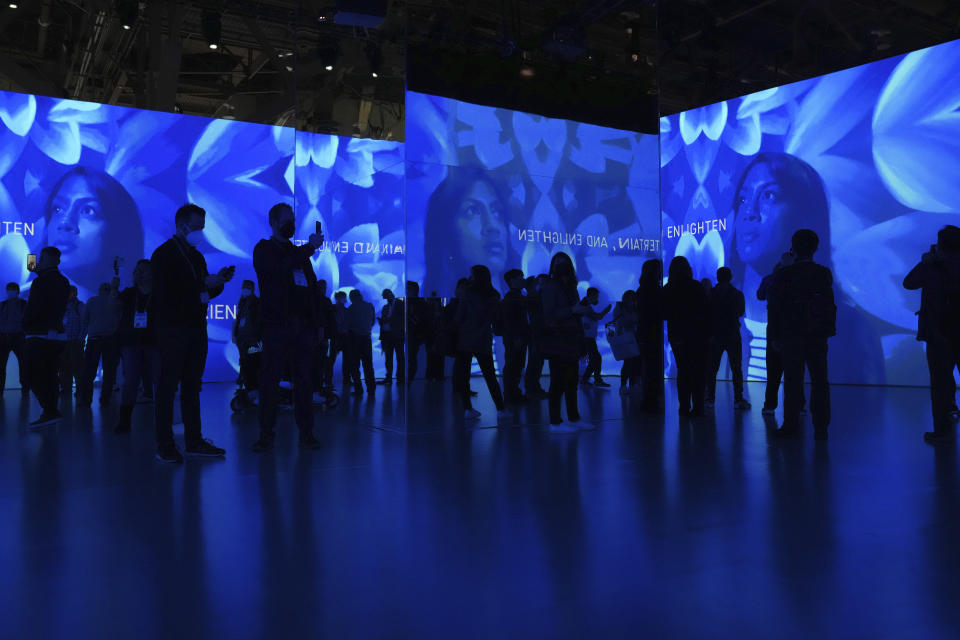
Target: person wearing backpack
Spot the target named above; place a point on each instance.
(801, 296)
(727, 306)
(938, 277)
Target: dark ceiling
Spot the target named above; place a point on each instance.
(613, 62)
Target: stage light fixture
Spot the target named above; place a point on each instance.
(210, 28)
(14, 5)
(329, 67)
(128, 11)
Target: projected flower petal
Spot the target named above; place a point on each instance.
(743, 135)
(701, 156)
(705, 256)
(485, 135)
(763, 101)
(13, 258)
(318, 149)
(593, 146)
(916, 126)
(362, 239)
(58, 140)
(11, 146)
(830, 111)
(325, 264)
(79, 112)
(375, 277)
(670, 141)
(871, 265)
(17, 112)
(709, 120)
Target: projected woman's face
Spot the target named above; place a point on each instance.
(76, 224)
(481, 228)
(760, 215)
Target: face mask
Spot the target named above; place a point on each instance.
(245, 292)
(194, 237)
(287, 229)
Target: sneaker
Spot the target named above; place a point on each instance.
(310, 442)
(205, 448)
(46, 419)
(768, 411)
(600, 382)
(262, 444)
(169, 454)
(742, 405)
(938, 437)
(471, 414)
(583, 425)
(585, 382)
(563, 427)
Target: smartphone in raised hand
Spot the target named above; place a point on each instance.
(319, 228)
(31, 262)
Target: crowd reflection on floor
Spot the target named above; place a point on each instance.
(659, 526)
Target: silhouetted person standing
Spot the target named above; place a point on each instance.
(101, 317)
(591, 320)
(419, 321)
(182, 289)
(534, 370)
(563, 341)
(360, 320)
(727, 306)
(650, 335)
(137, 340)
(43, 328)
(626, 319)
(687, 310)
(246, 334)
(476, 313)
(340, 345)
(516, 335)
(323, 371)
(435, 357)
(937, 275)
(392, 336)
(774, 358)
(71, 362)
(289, 324)
(12, 339)
(801, 297)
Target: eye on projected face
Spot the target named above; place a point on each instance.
(760, 208)
(481, 228)
(76, 223)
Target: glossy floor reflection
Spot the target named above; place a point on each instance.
(644, 528)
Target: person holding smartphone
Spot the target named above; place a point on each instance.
(182, 289)
(290, 323)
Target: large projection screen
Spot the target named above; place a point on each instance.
(867, 157)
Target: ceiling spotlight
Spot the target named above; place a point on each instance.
(210, 28)
(374, 74)
(128, 11)
(14, 5)
(527, 71)
(329, 67)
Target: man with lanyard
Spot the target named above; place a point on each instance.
(181, 290)
(45, 337)
(289, 321)
(138, 345)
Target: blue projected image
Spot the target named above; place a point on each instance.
(509, 189)
(866, 157)
(102, 182)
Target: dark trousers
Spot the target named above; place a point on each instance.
(515, 354)
(339, 346)
(461, 377)
(651, 372)
(531, 377)
(942, 359)
(393, 350)
(182, 352)
(593, 360)
(137, 359)
(691, 374)
(435, 363)
(361, 356)
(413, 352)
(42, 357)
(105, 350)
(295, 345)
(733, 346)
(15, 343)
(774, 376)
(563, 386)
(811, 355)
(250, 368)
(71, 366)
(629, 371)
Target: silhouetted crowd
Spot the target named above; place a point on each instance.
(291, 335)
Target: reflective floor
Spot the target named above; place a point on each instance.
(647, 527)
